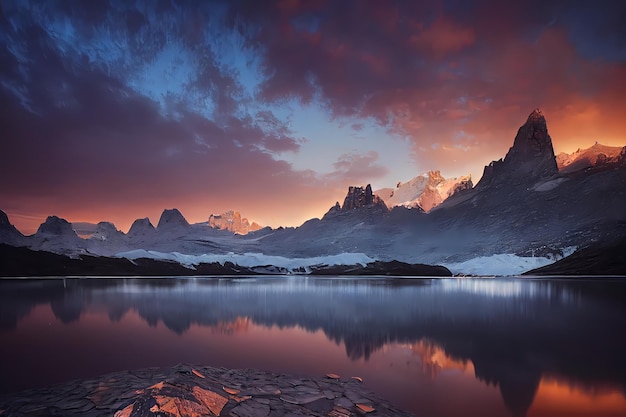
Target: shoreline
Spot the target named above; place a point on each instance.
(189, 390)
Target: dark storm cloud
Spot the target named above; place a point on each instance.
(76, 133)
(161, 102)
(431, 70)
(371, 58)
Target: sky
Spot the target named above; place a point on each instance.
(116, 110)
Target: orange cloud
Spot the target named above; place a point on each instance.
(443, 37)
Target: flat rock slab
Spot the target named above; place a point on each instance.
(186, 390)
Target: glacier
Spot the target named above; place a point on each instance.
(494, 265)
(251, 259)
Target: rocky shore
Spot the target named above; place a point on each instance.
(186, 390)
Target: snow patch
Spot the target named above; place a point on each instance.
(503, 264)
(548, 185)
(251, 259)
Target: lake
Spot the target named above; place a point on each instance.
(434, 347)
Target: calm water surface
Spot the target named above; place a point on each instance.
(445, 347)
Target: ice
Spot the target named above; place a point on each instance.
(251, 259)
(503, 264)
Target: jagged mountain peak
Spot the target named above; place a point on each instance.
(172, 218)
(435, 177)
(530, 159)
(537, 117)
(359, 197)
(233, 222)
(532, 139)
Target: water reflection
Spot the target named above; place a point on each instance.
(521, 340)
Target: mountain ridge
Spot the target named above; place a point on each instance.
(523, 205)
(425, 191)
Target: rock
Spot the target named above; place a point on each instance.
(358, 197)
(178, 391)
(233, 222)
(531, 158)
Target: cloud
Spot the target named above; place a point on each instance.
(151, 105)
(82, 137)
(443, 37)
(355, 168)
(425, 71)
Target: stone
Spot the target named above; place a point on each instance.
(179, 391)
(233, 222)
(359, 197)
(344, 402)
(304, 398)
(211, 400)
(339, 412)
(251, 409)
(531, 158)
(365, 408)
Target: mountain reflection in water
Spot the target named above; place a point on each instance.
(447, 347)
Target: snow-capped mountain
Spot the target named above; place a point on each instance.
(172, 219)
(84, 229)
(425, 191)
(56, 235)
(522, 206)
(141, 227)
(595, 155)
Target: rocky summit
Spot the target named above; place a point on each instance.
(359, 197)
(233, 222)
(530, 159)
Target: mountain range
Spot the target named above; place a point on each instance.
(425, 191)
(530, 203)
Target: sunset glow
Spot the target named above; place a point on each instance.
(557, 398)
(118, 110)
